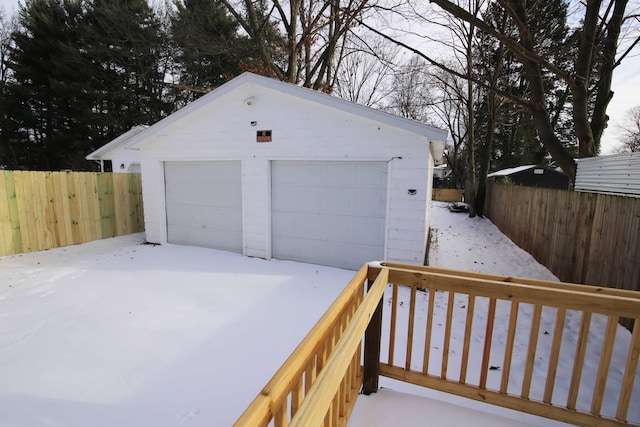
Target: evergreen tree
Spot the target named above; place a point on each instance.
(48, 95)
(515, 140)
(127, 51)
(208, 49)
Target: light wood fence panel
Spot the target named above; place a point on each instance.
(44, 210)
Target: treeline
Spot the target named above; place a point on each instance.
(520, 82)
(77, 73)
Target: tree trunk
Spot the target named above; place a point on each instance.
(470, 182)
(485, 160)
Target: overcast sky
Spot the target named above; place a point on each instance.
(626, 85)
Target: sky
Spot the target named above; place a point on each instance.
(626, 87)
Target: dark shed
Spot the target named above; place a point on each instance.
(533, 176)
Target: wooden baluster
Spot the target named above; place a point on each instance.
(555, 355)
(427, 338)
(508, 351)
(629, 373)
(468, 325)
(486, 353)
(531, 351)
(335, 407)
(392, 327)
(310, 374)
(447, 334)
(578, 363)
(605, 362)
(280, 415)
(412, 312)
(296, 397)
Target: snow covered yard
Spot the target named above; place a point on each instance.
(117, 333)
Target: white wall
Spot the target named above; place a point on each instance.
(301, 130)
(123, 160)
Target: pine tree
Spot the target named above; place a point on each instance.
(515, 140)
(48, 94)
(208, 49)
(127, 51)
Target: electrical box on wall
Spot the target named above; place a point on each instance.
(263, 136)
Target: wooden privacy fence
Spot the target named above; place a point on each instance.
(581, 237)
(585, 374)
(44, 210)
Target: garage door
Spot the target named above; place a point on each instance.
(204, 204)
(329, 213)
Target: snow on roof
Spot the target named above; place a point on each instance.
(505, 172)
(432, 133)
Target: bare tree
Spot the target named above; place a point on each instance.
(366, 71)
(629, 132)
(458, 38)
(450, 110)
(314, 39)
(605, 32)
(413, 93)
(598, 39)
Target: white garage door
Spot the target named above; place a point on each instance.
(329, 213)
(204, 204)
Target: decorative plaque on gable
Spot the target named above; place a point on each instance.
(263, 136)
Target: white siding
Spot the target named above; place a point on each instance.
(301, 130)
(617, 174)
(123, 160)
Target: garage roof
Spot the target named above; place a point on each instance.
(121, 140)
(430, 132)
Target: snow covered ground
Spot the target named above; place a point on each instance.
(118, 333)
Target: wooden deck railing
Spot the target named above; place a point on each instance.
(320, 381)
(280, 400)
(579, 322)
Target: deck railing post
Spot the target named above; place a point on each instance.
(372, 338)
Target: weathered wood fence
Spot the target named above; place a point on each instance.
(581, 237)
(44, 210)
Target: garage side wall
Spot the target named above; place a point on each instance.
(408, 210)
(123, 160)
(228, 129)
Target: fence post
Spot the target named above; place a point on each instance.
(372, 338)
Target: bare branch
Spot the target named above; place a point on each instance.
(449, 70)
(509, 43)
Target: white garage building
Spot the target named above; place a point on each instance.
(272, 170)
